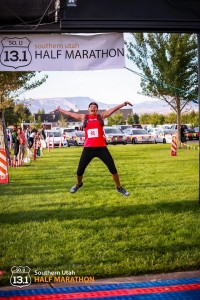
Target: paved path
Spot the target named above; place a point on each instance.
(170, 286)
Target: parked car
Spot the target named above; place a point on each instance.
(114, 135)
(167, 126)
(124, 127)
(191, 134)
(66, 130)
(164, 136)
(153, 131)
(139, 136)
(75, 138)
(185, 126)
(57, 138)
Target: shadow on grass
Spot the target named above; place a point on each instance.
(62, 183)
(98, 212)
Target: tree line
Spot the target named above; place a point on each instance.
(155, 119)
(19, 113)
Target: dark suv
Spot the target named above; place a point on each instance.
(184, 126)
(189, 132)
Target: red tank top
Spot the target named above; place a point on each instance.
(94, 134)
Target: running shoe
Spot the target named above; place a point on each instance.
(122, 191)
(75, 188)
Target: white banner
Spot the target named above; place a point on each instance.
(61, 52)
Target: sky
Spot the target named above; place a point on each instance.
(107, 86)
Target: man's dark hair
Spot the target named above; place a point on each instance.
(93, 103)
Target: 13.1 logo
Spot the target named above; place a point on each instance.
(15, 52)
(20, 276)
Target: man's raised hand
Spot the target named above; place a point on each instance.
(128, 103)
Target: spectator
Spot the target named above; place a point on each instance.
(42, 131)
(22, 144)
(183, 138)
(27, 133)
(15, 141)
(32, 136)
(10, 139)
(42, 144)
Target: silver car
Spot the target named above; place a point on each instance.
(75, 138)
(139, 136)
(55, 138)
(114, 136)
(164, 136)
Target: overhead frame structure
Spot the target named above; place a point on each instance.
(59, 16)
(83, 16)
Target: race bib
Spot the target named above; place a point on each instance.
(93, 133)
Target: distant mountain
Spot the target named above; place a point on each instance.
(72, 103)
(81, 103)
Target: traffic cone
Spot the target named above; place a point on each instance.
(35, 149)
(53, 142)
(174, 146)
(60, 144)
(4, 177)
(48, 144)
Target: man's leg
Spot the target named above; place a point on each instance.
(106, 157)
(116, 180)
(79, 179)
(86, 157)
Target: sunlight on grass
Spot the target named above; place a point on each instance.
(96, 231)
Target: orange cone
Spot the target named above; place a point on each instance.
(60, 144)
(4, 177)
(48, 144)
(35, 149)
(174, 146)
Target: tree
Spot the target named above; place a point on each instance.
(156, 119)
(145, 118)
(41, 111)
(169, 66)
(62, 121)
(116, 119)
(38, 125)
(130, 119)
(190, 118)
(194, 118)
(136, 119)
(16, 114)
(171, 118)
(11, 85)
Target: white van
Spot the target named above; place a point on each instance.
(56, 137)
(68, 129)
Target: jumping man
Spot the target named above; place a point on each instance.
(95, 143)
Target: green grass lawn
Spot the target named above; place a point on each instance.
(97, 232)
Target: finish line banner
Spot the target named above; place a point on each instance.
(61, 52)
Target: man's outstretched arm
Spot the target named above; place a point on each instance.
(109, 112)
(74, 115)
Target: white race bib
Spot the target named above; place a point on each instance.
(93, 133)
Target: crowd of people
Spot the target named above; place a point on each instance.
(22, 142)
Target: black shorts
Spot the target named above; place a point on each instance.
(30, 142)
(101, 152)
(16, 148)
